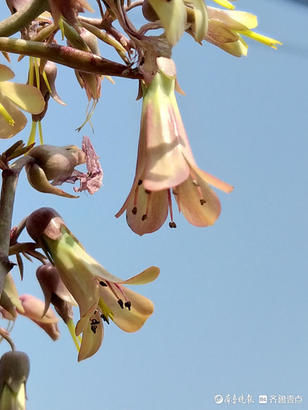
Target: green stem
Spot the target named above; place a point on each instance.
(68, 56)
(22, 18)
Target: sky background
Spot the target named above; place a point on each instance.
(231, 305)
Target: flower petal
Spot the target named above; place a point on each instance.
(198, 202)
(5, 73)
(234, 20)
(200, 25)
(147, 276)
(128, 320)
(172, 15)
(160, 133)
(152, 204)
(214, 181)
(24, 96)
(92, 337)
(7, 130)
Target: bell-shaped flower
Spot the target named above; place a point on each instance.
(173, 17)
(226, 28)
(34, 309)
(100, 295)
(12, 97)
(53, 163)
(14, 372)
(165, 162)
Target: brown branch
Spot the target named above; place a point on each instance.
(68, 56)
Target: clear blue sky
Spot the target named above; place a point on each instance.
(231, 305)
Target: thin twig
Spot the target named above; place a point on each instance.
(134, 4)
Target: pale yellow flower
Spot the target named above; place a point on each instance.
(12, 96)
(226, 28)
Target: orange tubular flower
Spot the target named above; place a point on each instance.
(165, 162)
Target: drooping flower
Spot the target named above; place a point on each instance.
(165, 162)
(12, 97)
(9, 300)
(172, 15)
(14, 372)
(100, 295)
(34, 309)
(226, 28)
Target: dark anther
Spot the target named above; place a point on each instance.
(128, 305)
(102, 283)
(134, 210)
(93, 328)
(202, 201)
(120, 302)
(172, 224)
(147, 191)
(144, 217)
(94, 322)
(105, 318)
(140, 182)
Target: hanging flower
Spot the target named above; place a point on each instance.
(100, 295)
(12, 96)
(226, 28)
(165, 162)
(34, 309)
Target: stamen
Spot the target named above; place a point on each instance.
(120, 302)
(93, 328)
(145, 215)
(128, 305)
(199, 190)
(102, 283)
(105, 318)
(172, 224)
(134, 210)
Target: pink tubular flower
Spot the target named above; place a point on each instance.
(33, 308)
(165, 162)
